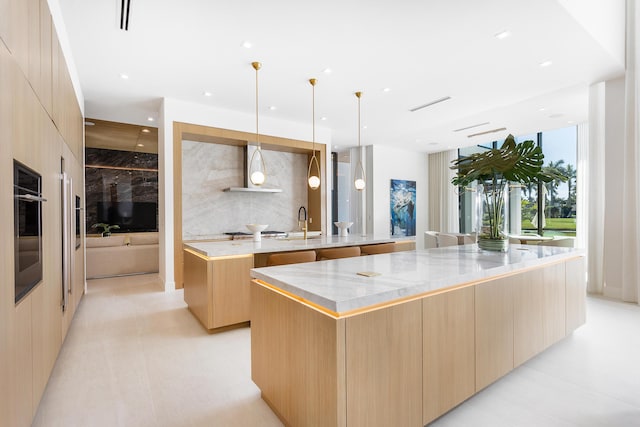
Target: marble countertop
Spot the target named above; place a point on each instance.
(272, 244)
(336, 286)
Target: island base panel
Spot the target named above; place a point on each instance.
(449, 363)
(297, 359)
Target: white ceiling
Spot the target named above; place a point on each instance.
(422, 50)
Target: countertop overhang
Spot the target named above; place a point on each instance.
(246, 247)
(335, 286)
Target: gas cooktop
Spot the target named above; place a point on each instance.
(266, 233)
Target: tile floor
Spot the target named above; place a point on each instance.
(135, 356)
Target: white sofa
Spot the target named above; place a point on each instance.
(122, 254)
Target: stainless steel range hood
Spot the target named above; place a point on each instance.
(249, 187)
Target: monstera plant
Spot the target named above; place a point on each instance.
(493, 170)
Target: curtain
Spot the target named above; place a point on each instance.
(591, 200)
(443, 200)
(631, 182)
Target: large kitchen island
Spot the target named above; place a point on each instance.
(217, 273)
(399, 339)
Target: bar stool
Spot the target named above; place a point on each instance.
(381, 248)
(291, 258)
(335, 253)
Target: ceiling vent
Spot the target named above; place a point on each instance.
(471, 127)
(486, 132)
(429, 104)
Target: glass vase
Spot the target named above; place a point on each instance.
(493, 226)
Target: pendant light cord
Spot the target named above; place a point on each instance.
(256, 66)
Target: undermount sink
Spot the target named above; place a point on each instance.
(299, 235)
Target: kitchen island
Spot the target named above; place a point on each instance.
(217, 273)
(417, 334)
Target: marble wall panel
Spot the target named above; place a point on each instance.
(104, 184)
(207, 211)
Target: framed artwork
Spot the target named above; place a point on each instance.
(403, 207)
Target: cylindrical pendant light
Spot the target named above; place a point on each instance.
(313, 179)
(359, 178)
(257, 174)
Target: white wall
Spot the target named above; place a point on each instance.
(604, 20)
(387, 163)
(614, 146)
(173, 110)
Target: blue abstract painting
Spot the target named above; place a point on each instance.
(403, 207)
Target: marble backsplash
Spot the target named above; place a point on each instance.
(208, 211)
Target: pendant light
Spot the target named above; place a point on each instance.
(313, 179)
(359, 180)
(257, 174)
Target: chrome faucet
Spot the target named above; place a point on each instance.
(303, 210)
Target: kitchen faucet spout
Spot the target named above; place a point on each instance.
(303, 210)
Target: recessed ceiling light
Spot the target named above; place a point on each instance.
(364, 127)
(386, 89)
(570, 122)
(323, 118)
(502, 35)
(146, 130)
(327, 70)
(545, 63)
(541, 109)
(556, 116)
(140, 145)
(124, 76)
(207, 93)
(273, 107)
(247, 44)
(150, 119)
(89, 123)
(433, 143)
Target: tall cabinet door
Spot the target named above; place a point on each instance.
(494, 330)
(449, 361)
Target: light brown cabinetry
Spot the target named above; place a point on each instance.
(576, 289)
(494, 330)
(406, 363)
(32, 331)
(301, 370)
(528, 315)
(449, 362)
(384, 365)
(217, 289)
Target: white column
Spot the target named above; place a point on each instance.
(443, 200)
(593, 158)
(630, 185)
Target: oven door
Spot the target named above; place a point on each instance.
(28, 230)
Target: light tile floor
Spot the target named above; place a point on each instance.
(135, 356)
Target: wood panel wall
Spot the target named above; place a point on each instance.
(41, 122)
(316, 208)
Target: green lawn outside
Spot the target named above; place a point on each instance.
(554, 226)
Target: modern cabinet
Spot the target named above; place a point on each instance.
(494, 330)
(217, 289)
(449, 360)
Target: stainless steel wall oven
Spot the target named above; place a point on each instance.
(27, 193)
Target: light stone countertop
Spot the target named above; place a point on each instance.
(273, 244)
(335, 286)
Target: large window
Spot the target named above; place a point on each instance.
(546, 209)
